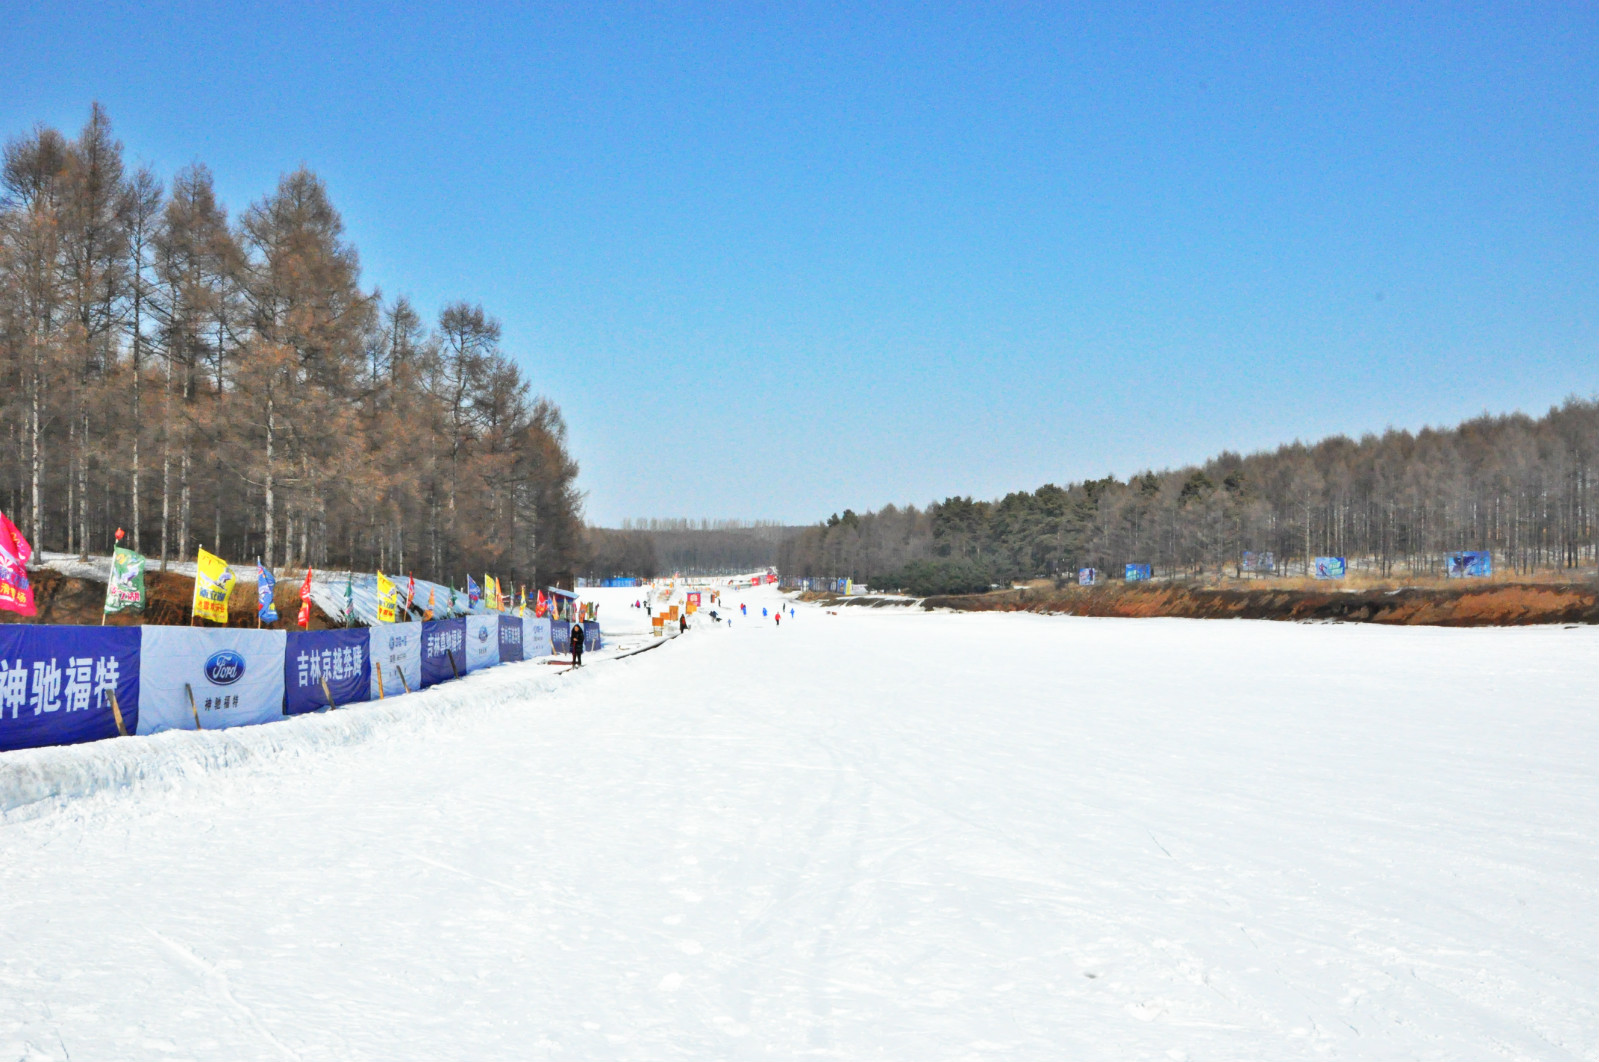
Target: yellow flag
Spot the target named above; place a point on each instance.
(388, 600)
(429, 614)
(213, 584)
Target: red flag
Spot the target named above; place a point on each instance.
(538, 610)
(410, 593)
(304, 618)
(15, 593)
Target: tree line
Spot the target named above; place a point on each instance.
(1394, 503)
(197, 378)
(647, 548)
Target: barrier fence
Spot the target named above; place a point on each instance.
(62, 685)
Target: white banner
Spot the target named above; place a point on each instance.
(536, 637)
(235, 676)
(482, 641)
(397, 649)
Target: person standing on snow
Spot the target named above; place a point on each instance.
(577, 645)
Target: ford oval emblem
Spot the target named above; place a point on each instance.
(224, 667)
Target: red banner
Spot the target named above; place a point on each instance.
(15, 593)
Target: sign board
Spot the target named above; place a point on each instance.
(235, 676)
(1330, 568)
(56, 683)
(1469, 564)
(482, 642)
(1087, 576)
(396, 651)
(1137, 573)
(536, 638)
(442, 642)
(510, 639)
(339, 658)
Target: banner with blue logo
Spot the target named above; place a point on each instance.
(591, 635)
(1470, 564)
(1136, 573)
(482, 642)
(1330, 568)
(510, 639)
(234, 675)
(396, 650)
(56, 683)
(1087, 576)
(536, 638)
(561, 637)
(339, 658)
(442, 642)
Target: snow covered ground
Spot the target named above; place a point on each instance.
(873, 834)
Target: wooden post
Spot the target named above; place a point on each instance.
(398, 670)
(327, 692)
(454, 671)
(116, 713)
(377, 669)
(192, 706)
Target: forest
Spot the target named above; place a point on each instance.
(200, 378)
(1393, 504)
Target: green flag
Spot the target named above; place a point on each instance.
(124, 592)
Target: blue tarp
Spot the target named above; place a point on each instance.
(55, 683)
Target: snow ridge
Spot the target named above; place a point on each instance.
(36, 781)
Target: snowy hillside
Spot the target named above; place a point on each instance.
(872, 834)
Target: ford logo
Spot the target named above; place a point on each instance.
(224, 667)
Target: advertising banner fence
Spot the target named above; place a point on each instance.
(227, 677)
(396, 652)
(510, 639)
(536, 638)
(482, 642)
(561, 637)
(56, 684)
(591, 635)
(443, 648)
(339, 658)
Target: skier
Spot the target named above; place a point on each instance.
(778, 619)
(682, 623)
(743, 609)
(577, 645)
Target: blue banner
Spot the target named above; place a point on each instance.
(1330, 568)
(482, 642)
(443, 640)
(561, 637)
(510, 639)
(55, 683)
(1471, 563)
(1137, 573)
(1087, 576)
(342, 658)
(591, 635)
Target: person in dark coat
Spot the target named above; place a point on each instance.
(577, 645)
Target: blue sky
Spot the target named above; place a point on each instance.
(773, 261)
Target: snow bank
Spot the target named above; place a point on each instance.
(36, 780)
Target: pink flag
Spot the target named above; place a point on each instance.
(15, 593)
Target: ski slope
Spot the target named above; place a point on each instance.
(880, 833)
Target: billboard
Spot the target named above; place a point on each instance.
(536, 638)
(229, 676)
(561, 637)
(510, 639)
(1087, 576)
(339, 658)
(1260, 562)
(482, 642)
(1137, 573)
(1330, 568)
(56, 684)
(396, 652)
(1469, 564)
(443, 646)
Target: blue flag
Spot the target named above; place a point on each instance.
(474, 593)
(265, 584)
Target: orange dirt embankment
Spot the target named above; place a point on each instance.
(68, 599)
(1487, 605)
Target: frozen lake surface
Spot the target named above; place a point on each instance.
(874, 834)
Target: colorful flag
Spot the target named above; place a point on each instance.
(410, 594)
(304, 618)
(474, 593)
(429, 613)
(388, 600)
(15, 593)
(213, 585)
(124, 591)
(539, 606)
(349, 600)
(266, 585)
